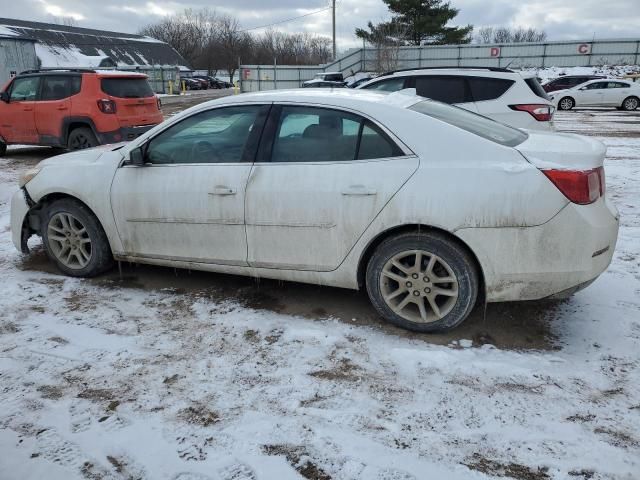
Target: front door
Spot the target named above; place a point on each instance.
(591, 94)
(187, 203)
(18, 118)
(325, 176)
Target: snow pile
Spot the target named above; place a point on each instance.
(613, 71)
(104, 378)
(72, 57)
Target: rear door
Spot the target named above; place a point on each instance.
(450, 89)
(616, 92)
(136, 103)
(322, 177)
(591, 94)
(54, 106)
(18, 118)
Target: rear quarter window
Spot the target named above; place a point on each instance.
(126, 87)
(484, 88)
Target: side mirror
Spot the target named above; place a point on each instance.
(136, 157)
(4, 96)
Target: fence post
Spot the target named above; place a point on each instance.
(259, 80)
(637, 52)
(459, 55)
(420, 56)
(275, 73)
(544, 54)
(162, 79)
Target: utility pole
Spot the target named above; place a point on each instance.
(333, 2)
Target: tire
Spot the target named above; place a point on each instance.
(630, 104)
(66, 226)
(448, 260)
(566, 103)
(81, 138)
(3, 149)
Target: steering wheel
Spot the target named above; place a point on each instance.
(204, 149)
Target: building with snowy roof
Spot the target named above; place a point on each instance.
(26, 45)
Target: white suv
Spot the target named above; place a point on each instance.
(516, 99)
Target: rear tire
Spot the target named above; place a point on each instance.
(630, 104)
(423, 282)
(74, 239)
(566, 103)
(81, 138)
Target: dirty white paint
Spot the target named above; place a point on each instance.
(293, 221)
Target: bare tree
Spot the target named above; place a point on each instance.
(66, 21)
(387, 39)
(510, 35)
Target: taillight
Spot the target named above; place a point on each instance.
(159, 103)
(580, 186)
(542, 113)
(107, 106)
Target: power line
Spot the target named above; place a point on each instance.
(287, 20)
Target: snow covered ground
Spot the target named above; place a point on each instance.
(109, 379)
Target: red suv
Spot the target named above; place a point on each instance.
(76, 109)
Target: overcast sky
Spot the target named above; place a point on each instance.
(561, 19)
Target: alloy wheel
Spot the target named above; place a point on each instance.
(566, 104)
(69, 241)
(419, 286)
(631, 103)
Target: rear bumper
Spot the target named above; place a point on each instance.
(124, 134)
(19, 211)
(551, 260)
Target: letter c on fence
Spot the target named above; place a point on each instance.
(584, 48)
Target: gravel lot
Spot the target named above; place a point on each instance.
(164, 374)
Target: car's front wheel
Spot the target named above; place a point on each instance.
(422, 281)
(630, 104)
(566, 103)
(74, 239)
(81, 138)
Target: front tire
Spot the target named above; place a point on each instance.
(81, 138)
(423, 282)
(74, 239)
(566, 103)
(630, 104)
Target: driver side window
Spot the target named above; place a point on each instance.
(220, 135)
(24, 89)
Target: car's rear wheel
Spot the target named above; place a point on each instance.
(74, 239)
(422, 281)
(566, 103)
(81, 138)
(630, 104)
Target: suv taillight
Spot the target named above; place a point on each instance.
(159, 103)
(541, 113)
(580, 186)
(107, 106)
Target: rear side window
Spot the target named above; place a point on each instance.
(472, 122)
(60, 87)
(126, 87)
(446, 89)
(483, 88)
(390, 85)
(536, 88)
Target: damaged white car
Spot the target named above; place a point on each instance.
(429, 207)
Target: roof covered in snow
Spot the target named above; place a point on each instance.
(63, 46)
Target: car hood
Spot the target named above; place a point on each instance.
(562, 151)
(81, 157)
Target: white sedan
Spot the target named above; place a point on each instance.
(621, 94)
(429, 207)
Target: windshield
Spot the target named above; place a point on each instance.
(471, 122)
(127, 87)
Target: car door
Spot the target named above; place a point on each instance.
(54, 106)
(616, 92)
(322, 177)
(591, 94)
(187, 202)
(451, 89)
(19, 113)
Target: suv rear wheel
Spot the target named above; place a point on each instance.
(422, 282)
(81, 138)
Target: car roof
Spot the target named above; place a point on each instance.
(466, 71)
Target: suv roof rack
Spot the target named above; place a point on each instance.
(491, 69)
(47, 70)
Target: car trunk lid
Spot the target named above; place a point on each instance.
(136, 103)
(562, 151)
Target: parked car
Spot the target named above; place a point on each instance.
(324, 80)
(622, 94)
(204, 83)
(428, 207)
(516, 99)
(191, 83)
(76, 109)
(210, 81)
(224, 83)
(568, 81)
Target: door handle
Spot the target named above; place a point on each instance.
(28, 109)
(223, 191)
(62, 107)
(358, 190)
